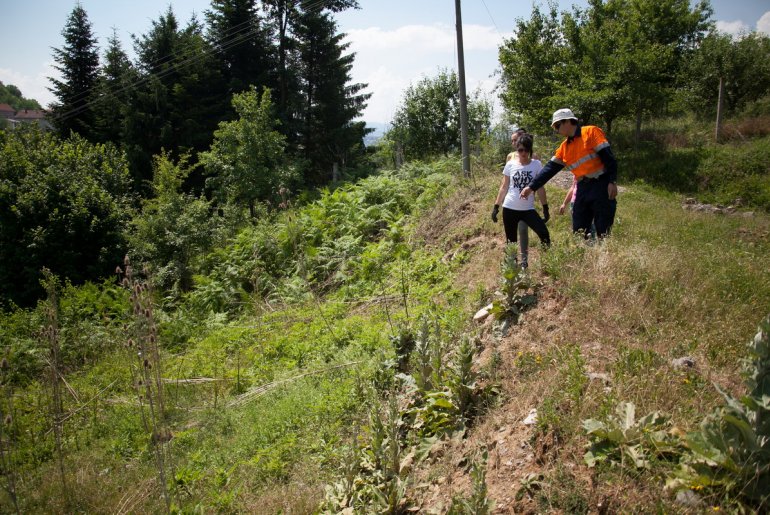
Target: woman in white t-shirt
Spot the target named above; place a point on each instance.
(517, 175)
(523, 229)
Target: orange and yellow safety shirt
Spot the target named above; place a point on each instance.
(579, 154)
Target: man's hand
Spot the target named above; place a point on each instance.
(546, 213)
(495, 210)
(562, 208)
(612, 190)
(525, 193)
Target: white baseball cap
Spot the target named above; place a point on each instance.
(562, 114)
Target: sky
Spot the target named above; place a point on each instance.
(397, 42)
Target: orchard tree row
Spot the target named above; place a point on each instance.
(629, 59)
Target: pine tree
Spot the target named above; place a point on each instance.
(285, 17)
(115, 85)
(243, 41)
(78, 63)
(329, 103)
(180, 99)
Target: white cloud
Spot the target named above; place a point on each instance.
(732, 27)
(763, 25)
(34, 87)
(390, 60)
(425, 38)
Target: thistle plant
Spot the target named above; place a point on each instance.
(50, 335)
(731, 450)
(462, 381)
(7, 432)
(515, 288)
(145, 365)
(478, 503)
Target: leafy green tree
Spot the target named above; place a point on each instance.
(613, 59)
(328, 133)
(530, 65)
(63, 205)
(78, 63)
(11, 95)
(659, 35)
(743, 62)
(245, 160)
(173, 227)
(427, 123)
(243, 40)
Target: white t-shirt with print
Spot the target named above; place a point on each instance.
(520, 175)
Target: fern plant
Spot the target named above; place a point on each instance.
(731, 450)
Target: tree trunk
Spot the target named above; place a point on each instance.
(638, 132)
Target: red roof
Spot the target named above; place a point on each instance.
(5, 108)
(30, 114)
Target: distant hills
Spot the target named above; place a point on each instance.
(379, 131)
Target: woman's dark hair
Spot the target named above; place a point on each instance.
(526, 141)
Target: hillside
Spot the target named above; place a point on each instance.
(328, 358)
(610, 323)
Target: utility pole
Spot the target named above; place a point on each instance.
(463, 101)
(718, 130)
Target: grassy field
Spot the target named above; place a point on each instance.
(350, 373)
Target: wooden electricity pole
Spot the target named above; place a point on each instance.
(717, 132)
(463, 101)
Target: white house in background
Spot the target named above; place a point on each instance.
(14, 117)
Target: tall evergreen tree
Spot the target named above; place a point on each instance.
(179, 101)
(285, 16)
(78, 63)
(330, 104)
(114, 93)
(243, 39)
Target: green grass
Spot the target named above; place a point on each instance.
(669, 283)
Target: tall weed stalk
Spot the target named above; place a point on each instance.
(51, 337)
(7, 432)
(145, 365)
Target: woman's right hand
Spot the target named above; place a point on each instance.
(495, 210)
(562, 208)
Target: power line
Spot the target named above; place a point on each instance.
(491, 18)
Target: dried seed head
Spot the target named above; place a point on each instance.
(130, 342)
(118, 270)
(146, 364)
(125, 282)
(4, 364)
(147, 312)
(8, 419)
(140, 383)
(126, 260)
(152, 338)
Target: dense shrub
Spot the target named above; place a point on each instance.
(63, 205)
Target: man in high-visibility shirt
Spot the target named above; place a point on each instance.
(587, 154)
